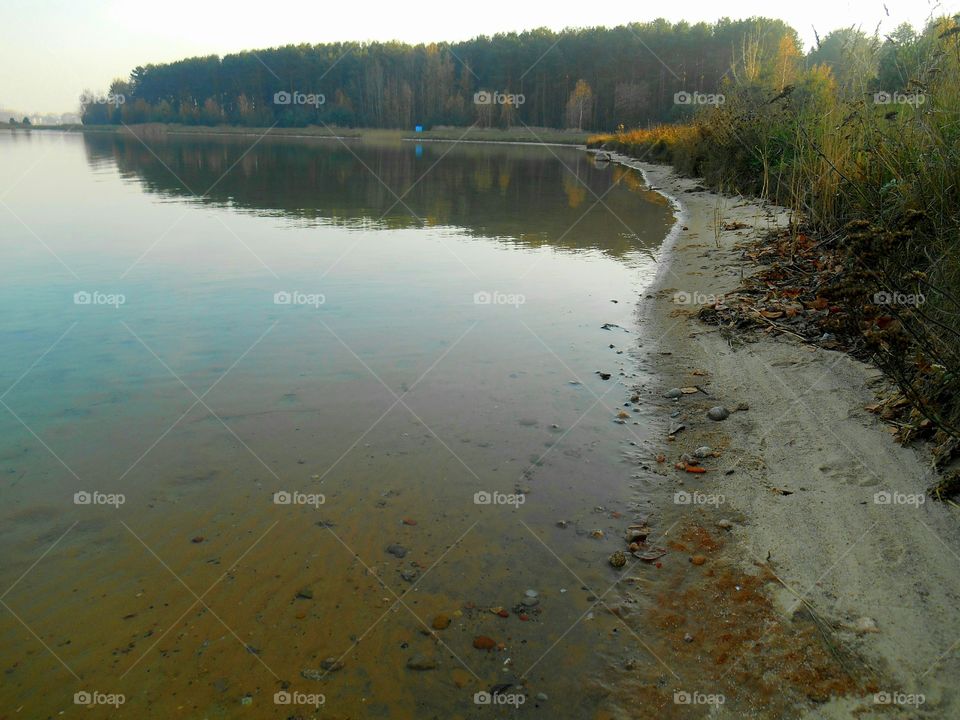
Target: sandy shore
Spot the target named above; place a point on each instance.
(800, 468)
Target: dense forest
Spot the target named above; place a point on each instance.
(587, 79)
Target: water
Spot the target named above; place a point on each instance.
(396, 328)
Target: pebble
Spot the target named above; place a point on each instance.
(305, 593)
(618, 559)
(718, 413)
(461, 678)
(397, 550)
(542, 697)
(331, 664)
(866, 625)
(673, 393)
(724, 524)
(441, 622)
(530, 601)
(483, 642)
(688, 638)
(421, 662)
(409, 575)
(704, 451)
(698, 559)
(197, 539)
(532, 593)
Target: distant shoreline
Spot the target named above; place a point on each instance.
(516, 135)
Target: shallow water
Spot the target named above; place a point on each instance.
(443, 338)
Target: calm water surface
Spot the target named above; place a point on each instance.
(395, 332)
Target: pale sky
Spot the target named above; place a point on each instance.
(50, 50)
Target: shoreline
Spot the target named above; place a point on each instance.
(800, 466)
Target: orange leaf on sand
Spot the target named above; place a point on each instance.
(694, 469)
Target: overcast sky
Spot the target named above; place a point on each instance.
(50, 50)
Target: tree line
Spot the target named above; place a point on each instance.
(588, 79)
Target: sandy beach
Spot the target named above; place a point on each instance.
(815, 491)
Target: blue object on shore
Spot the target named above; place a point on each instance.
(419, 150)
(418, 128)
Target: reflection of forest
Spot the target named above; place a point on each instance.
(516, 193)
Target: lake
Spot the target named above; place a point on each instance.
(309, 417)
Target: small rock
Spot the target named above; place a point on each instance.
(618, 559)
(866, 625)
(331, 664)
(421, 662)
(197, 539)
(530, 601)
(718, 413)
(698, 559)
(542, 697)
(724, 524)
(673, 393)
(409, 575)
(460, 677)
(441, 622)
(532, 593)
(688, 638)
(409, 521)
(703, 452)
(743, 407)
(482, 642)
(397, 550)
(562, 524)
(305, 593)
(603, 375)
